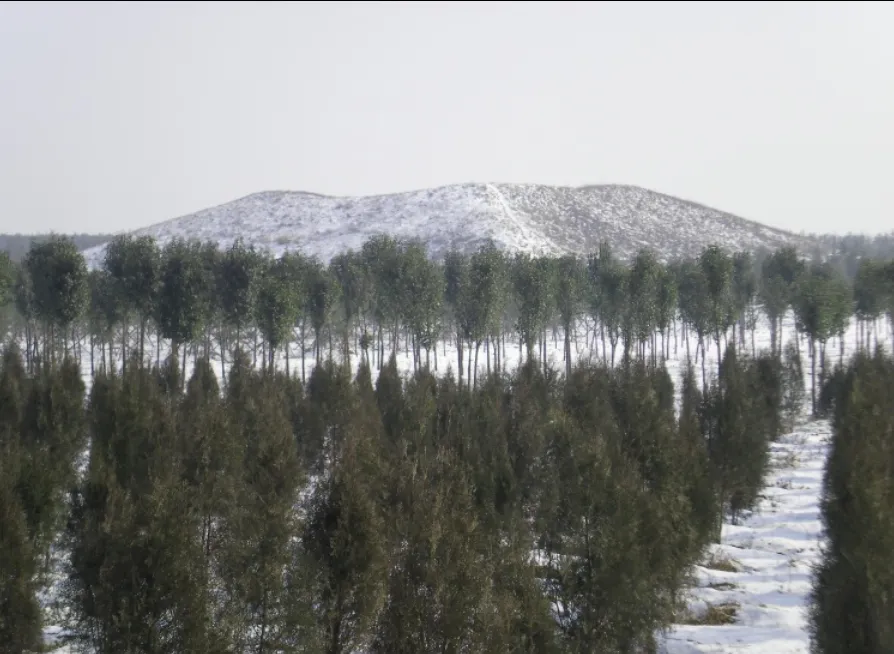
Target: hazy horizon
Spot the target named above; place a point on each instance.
(121, 116)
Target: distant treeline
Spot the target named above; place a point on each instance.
(17, 245)
(390, 297)
(845, 253)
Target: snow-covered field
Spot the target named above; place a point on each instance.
(772, 550)
(530, 218)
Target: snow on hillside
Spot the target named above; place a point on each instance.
(516, 217)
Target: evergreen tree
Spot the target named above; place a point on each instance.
(666, 307)
(57, 274)
(438, 556)
(595, 570)
(320, 295)
(613, 286)
(779, 272)
(256, 559)
(209, 454)
(850, 604)
(702, 495)
(9, 272)
(52, 437)
(352, 278)
(695, 308)
(570, 276)
(717, 267)
(134, 267)
(744, 290)
(738, 437)
(869, 297)
(104, 314)
(182, 295)
(531, 281)
(345, 536)
(792, 386)
(20, 618)
(135, 580)
(381, 256)
(237, 287)
(641, 316)
(822, 302)
(421, 285)
(276, 308)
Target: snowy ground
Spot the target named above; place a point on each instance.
(772, 549)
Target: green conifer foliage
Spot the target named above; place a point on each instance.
(20, 618)
(739, 427)
(136, 580)
(851, 606)
(792, 386)
(256, 558)
(438, 555)
(345, 539)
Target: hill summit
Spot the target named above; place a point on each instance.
(517, 217)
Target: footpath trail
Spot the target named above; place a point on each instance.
(772, 552)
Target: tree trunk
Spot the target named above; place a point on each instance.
(142, 338)
(302, 351)
(701, 344)
(812, 346)
(123, 346)
(487, 353)
(347, 344)
(477, 348)
(719, 356)
(469, 379)
(686, 340)
(602, 338)
(773, 337)
(568, 350)
(459, 358)
(223, 362)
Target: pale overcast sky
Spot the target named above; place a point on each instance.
(119, 116)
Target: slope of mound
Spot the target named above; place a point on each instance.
(516, 217)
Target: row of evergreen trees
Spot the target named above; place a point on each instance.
(532, 513)
(195, 527)
(852, 603)
(389, 297)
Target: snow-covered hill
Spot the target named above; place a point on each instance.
(517, 217)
